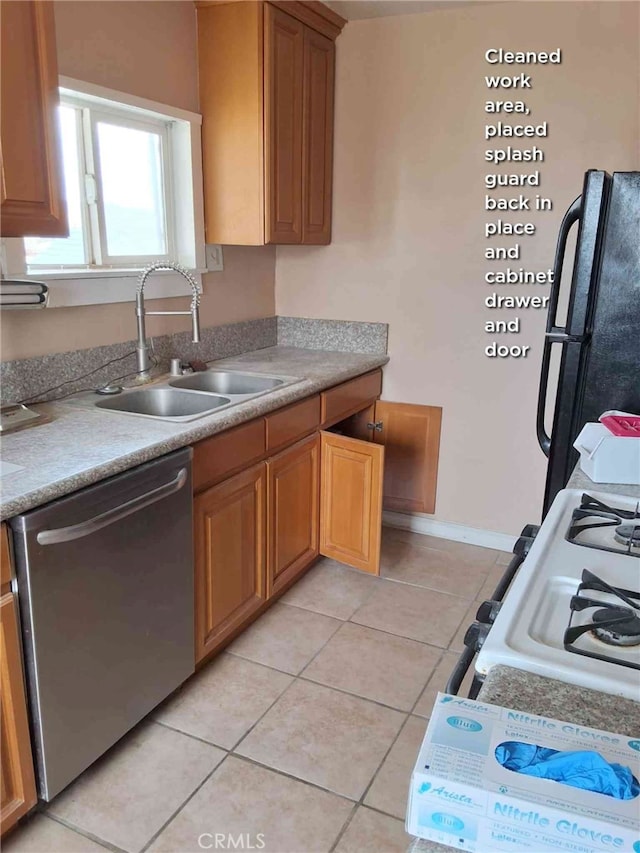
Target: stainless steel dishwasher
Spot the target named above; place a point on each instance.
(105, 585)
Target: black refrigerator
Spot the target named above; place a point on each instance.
(600, 341)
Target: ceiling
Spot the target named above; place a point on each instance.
(354, 10)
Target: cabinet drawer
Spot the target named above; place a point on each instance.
(218, 456)
(294, 422)
(345, 399)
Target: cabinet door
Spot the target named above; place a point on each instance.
(31, 191)
(230, 59)
(283, 61)
(18, 783)
(317, 137)
(293, 511)
(411, 436)
(6, 566)
(230, 551)
(351, 501)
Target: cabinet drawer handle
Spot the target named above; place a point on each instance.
(86, 528)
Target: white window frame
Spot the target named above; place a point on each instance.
(184, 200)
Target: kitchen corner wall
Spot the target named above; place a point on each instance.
(148, 49)
(408, 239)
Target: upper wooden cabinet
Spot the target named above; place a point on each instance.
(31, 190)
(317, 137)
(266, 96)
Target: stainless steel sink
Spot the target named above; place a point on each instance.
(186, 398)
(224, 382)
(165, 403)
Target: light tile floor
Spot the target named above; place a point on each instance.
(301, 737)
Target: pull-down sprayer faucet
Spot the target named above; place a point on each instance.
(142, 350)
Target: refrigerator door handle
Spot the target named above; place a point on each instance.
(560, 336)
(555, 334)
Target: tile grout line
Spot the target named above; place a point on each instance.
(297, 674)
(261, 717)
(428, 682)
(345, 826)
(427, 588)
(314, 786)
(182, 806)
(254, 761)
(384, 758)
(350, 620)
(377, 702)
(404, 636)
(84, 833)
(361, 802)
(192, 736)
(433, 588)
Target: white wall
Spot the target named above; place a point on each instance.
(408, 241)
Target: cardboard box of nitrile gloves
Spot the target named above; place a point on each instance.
(489, 779)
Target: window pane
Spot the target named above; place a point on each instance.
(55, 251)
(131, 176)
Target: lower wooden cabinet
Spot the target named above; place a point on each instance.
(18, 782)
(351, 501)
(230, 551)
(257, 531)
(411, 436)
(293, 492)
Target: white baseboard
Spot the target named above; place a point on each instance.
(417, 523)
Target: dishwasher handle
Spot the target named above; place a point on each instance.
(92, 525)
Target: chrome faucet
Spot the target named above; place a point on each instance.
(142, 350)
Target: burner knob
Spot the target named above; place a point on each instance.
(475, 636)
(530, 531)
(487, 612)
(523, 546)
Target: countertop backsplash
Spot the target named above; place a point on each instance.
(333, 335)
(29, 379)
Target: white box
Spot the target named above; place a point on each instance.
(608, 458)
(463, 797)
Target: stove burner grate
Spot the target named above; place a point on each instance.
(628, 534)
(594, 515)
(617, 625)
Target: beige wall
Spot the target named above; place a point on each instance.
(146, 49)
(408, 241)
(243, 291)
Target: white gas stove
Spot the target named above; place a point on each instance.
(573, 610)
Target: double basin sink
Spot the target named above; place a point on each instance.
(194, 396)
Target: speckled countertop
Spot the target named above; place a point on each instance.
(579, 480)
(533, 694)
(81, 445)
